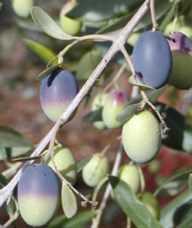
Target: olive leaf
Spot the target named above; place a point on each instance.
(12, 138)
(48, 25)
(87, 63)
(78, 220)
(45, 53)
(80, 164)
(68, 200)
(93, 116)
(167, 213)
(131, 206)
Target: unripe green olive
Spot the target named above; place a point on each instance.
(69, 25)
(65, 163)
(95, 170)
(151, 203)
(38, 194)
(22, 7)
(154, 166)
(181, 47)
(97, 104)
(130, 174)
(114, 103)
(141, 137)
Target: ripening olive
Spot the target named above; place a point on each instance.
(38, 194)
(69, 25)
(57, 90)
(22, 7)
(95, 170)
(113, 105)
(151, 203)
(141, 137)
(130, 174)
(97, 104)
(65, 162)
(181, 47)
(152, 59)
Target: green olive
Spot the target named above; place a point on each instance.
(65, 163)
(181, 70)
(95, 170)
(114, 104)
(22, 8)
(130, 174)
(141, 137)
(69, 25)
(154, 166)
(151, 203)
(97, 103)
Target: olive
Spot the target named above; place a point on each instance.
(97, 104)
(181, 47)
(64, 162)
(22, 8)
(38, 194)
(95, 170)
(152, 59)
(141, 137)
(151, 203)
(114, 104)
(69, 25)
(57, 90)
(130, 175)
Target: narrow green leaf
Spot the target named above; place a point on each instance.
(87, 63)
(128, 112)
(68, 201)
(45, 53)
(48, 25)
(131, 206)
(93, 116)
(11, 138)
(80, 164)
(77, 221)
(179, 174)
(167, 213)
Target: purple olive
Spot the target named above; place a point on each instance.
(57, 90)
(152, 59)
(38, 194)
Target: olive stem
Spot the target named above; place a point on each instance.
(128, 59)
(6, 191)
(68, 183)
(152, 11)
(96, 220)
(146, 100)
(115, 78)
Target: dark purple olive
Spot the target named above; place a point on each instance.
(57, 90)
(152, 59)
(38, 194)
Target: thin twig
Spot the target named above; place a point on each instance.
(96, 220)
(153, 17)
(115, 78)
(6, 191)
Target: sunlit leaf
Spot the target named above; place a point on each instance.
(68, 201)
(77, 221)
(131, 206)
(48, 25)
(45, 53)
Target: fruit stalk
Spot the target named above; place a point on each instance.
(6, 191)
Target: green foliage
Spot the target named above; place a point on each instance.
(131, 206)
(45, 53)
